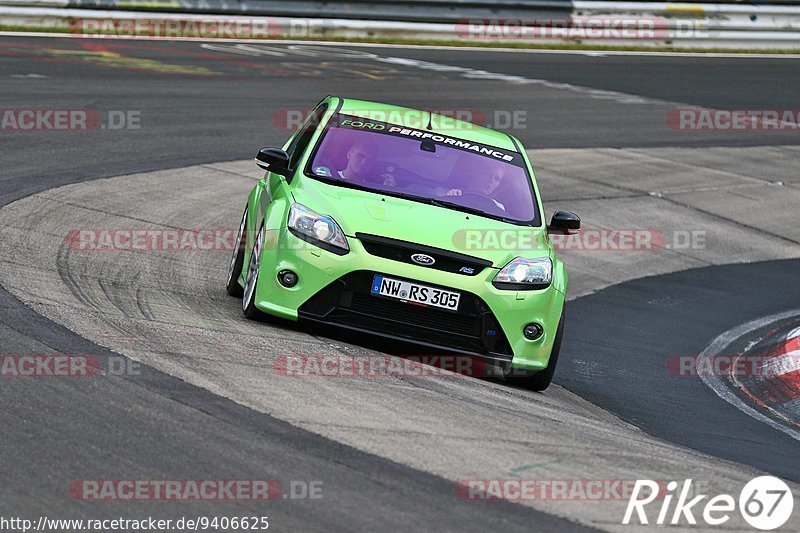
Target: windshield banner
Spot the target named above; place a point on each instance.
(376, 126)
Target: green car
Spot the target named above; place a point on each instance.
(407, 225)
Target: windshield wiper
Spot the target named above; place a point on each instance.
(346, 183)
(422, 199)
(406, 196)
(459, 207)
(471, 210)
(453, 205)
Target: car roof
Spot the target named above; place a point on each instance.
(417, 119)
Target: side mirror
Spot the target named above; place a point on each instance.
(274, 160)
(564, 222)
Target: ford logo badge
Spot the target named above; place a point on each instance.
(423, 259)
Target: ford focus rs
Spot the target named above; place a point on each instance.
(428, 231)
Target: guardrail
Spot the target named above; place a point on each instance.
(435, 11)
(686, 24)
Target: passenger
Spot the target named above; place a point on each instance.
(361, 159)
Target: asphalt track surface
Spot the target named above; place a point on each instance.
(206, 106)
(647, 328)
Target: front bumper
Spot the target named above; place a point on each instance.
(334, 289)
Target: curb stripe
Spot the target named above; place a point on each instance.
(719, 387)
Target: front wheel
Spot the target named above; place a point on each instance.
(249, 299)
(539, 381)
(237, 260)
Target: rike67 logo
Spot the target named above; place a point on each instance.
(765, 503)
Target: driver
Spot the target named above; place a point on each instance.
(360, 161)
(485, 184)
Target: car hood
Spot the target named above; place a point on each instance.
(359, 211)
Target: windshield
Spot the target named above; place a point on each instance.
(426, 166)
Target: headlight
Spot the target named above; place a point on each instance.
(320, 230)
(525, 274)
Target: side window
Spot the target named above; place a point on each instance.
(299, 144)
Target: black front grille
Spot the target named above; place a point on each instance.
(402, 251)
(410, 314)
(348, 302)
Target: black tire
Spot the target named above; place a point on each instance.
(539, 381)
(251, 284)
(237, 261)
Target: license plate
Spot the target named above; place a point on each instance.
(415, 293)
